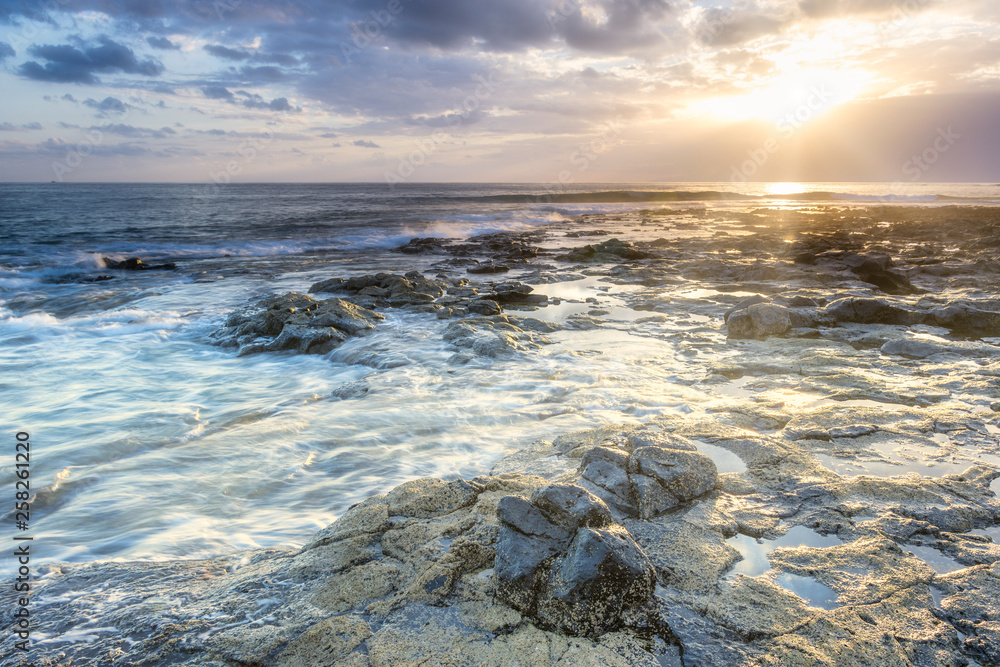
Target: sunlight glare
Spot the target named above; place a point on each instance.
(784, 188)
(794, 97)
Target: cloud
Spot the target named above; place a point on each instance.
(265, 73)
(109, 105)
(364, 143)
(248, 99)
(278, 59)
(135, 132)
(217, 93)
(68, 64)
(10, 127)
(254, 101)
(6, 51)
(450, 119)
(841, 8)
(162, 43)
(280, 104)
(728, 26)
(226, 53)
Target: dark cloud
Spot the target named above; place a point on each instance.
(364, 143)
(277, 59)
(727, 26)
(107, 106)
(226, 53)
(254, 101)
(217, 93)
(265, 73)
(162, 43)
(620, 25)
(6, 51)
(69, 64)
(69, 98)
(280, 104)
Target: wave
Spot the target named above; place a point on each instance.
(666, 196)
(38, 325)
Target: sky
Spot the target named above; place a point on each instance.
(550, 91)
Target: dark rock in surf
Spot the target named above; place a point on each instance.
(488, 266)
(136, 264)
(294, 322)
(422, 246)
(608, 251)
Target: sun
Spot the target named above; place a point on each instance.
(793, 97)
(780, 189)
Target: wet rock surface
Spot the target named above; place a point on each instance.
(827, 496)
(295, 322)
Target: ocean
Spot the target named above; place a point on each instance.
(149, 443)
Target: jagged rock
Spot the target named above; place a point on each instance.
(607, 468)
(560, 558)
(491, 337)
(870, 311)
(877, 270)
(759, 321)
(411, 289)
(488, 266)
(484, 307)
(420, 246)
(744, 304)
(515, 293)
(294, 322)
(681, 475)
(607, 251)
(136, 264)
(966, 320)
(602, 574)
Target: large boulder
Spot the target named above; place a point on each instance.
(759, 321)
(649, 481)
(561, 559)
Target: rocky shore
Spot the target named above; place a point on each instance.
(836, 505)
